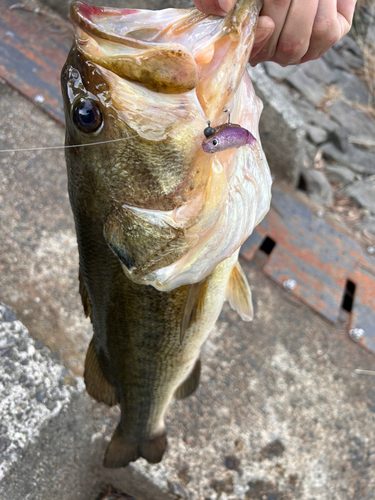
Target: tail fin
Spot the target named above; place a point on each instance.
(121, 452)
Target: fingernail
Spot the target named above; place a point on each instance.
(226, 5)
(261, 35)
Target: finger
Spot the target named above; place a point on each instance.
(329, 26)
(295, 37)
(217, 7)
(265, 28)
(345, 13)
(277, 10)
(346, 9)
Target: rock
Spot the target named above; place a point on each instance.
(319, 71)
(339, 138)
(363, 193)
(334, 60)
(310, 115)
(177, 490)
(340, 173)
(349, 44)
(356, 122)
(232, 462)
(364, 22)
(286, 150)
(316, 134)
(273, 449)
(308, 87)
(367, 224)
(354, 61)
(6, 316)
(317, 186)
(352, 87)
(278, 72)
(358, 160)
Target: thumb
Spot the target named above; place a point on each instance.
(218, 7)
(264, 30)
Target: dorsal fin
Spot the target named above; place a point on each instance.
(239, 293)
(193, 305)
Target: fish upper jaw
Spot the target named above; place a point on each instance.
(106, 38)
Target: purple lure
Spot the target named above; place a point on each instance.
(227, 136)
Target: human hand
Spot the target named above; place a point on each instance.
(292, 31)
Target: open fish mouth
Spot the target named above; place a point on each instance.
(111, 38)
(169, 72)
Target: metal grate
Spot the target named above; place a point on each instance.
(317, 261)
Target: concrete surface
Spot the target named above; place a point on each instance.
(280, 414)
(38, 250)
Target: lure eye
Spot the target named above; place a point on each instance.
(215, 142)
(87, 115)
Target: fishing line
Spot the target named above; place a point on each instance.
(70, 145)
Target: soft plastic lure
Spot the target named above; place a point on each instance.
(226, 136)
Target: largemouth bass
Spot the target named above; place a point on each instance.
(159, 220)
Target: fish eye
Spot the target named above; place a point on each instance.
(87, 115)
(215, 142)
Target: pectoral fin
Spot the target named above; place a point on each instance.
(143, 239)
(191, 384)
(97, 385)
(239, 294)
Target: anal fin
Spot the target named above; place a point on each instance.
(97, 386)
(239, 293)
(193, 306)
(84, 296)
(191, 384)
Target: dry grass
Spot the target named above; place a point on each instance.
(344, 210)
(334, 93)
(368, 72)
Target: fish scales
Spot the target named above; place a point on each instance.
(159, 221)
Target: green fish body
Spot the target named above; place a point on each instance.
(158, 221)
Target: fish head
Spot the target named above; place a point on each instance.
(139, 87)
(129, 132)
